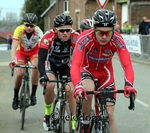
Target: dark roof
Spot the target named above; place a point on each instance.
(50, 6)
(7, 28)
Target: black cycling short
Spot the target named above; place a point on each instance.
(86, 75)
(63, 70)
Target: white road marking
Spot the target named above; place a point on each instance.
(142, 103)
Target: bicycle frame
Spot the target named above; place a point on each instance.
(25, 90)
(62, 102)
(101, 115)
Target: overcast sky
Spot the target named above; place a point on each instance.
(10, 6)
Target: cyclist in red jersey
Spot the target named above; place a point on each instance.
(92, 58)
(86, 24)
(56, 48)
(25, 44)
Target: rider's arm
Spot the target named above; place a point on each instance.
(15, 44)
(44, 46)
(41, 61)
(126, 63)
(77, 60)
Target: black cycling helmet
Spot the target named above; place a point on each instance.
(104, 18)
(86, 24)
(62, 19)
(30, 18)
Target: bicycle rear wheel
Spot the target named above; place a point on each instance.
(23, 104)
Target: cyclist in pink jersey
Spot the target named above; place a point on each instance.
(92, 58)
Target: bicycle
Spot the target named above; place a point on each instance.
(24, 101)
(60, 116)
(99, 117)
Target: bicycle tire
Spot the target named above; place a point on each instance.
(92, 121)
(23, 104)
(55, 115)
(106, 128)
(78, 116)
(65, 118)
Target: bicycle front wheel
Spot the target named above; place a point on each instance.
(56, 115)
(65, 118)
(106, 128)
(23, 104)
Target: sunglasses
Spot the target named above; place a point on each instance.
(64, 30)
(30, 25)
(102, 33)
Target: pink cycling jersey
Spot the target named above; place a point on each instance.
(89, 56)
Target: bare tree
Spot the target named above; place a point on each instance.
(11, 16)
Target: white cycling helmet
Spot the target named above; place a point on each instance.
(86, 24)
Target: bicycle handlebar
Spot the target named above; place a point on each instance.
(106, 92)
(62, 81)
(22, 66)
(26, 66)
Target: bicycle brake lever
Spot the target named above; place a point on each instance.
(132, 98)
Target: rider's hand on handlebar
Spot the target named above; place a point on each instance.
(128, 90)
(43, 80)
(79, 91)
(12, 64)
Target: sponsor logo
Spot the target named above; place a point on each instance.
(83, 42)
(46, 42)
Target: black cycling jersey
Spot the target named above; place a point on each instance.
(60, 52)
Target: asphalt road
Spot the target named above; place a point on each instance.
(136, 121)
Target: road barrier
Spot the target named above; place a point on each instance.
(138, 46)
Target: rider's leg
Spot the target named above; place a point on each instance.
(49, 95)
(88, 85)
(110, 109)
(18, 81)
(34, 80)
(71, 99)
(72, 102)
(20, 59)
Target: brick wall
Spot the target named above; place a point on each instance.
(88, 7)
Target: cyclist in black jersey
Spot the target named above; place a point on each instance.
(55, 52)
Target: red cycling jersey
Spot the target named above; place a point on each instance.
(89, 56)
(49, 37)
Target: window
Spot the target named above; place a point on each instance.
(66, 6)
